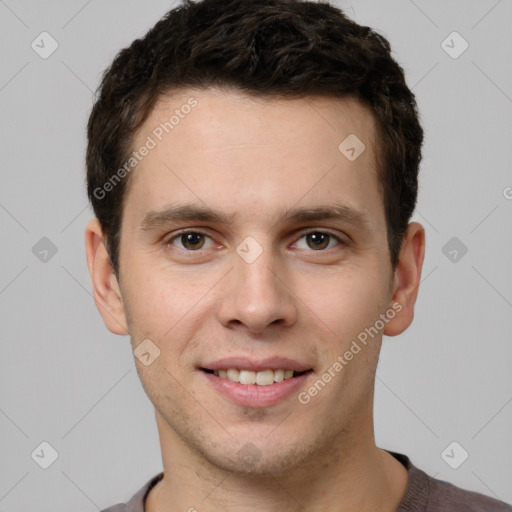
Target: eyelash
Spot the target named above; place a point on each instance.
(169, 240)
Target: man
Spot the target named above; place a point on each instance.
(253, 165)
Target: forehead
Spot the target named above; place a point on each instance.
(229, 115)
(209, 144)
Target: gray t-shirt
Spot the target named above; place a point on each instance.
(423, 494)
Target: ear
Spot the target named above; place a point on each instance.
(407, 279)
(106, 291)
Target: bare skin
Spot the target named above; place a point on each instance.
(254, 160)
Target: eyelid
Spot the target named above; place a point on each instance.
(327, 231)
(169, 239)
(297, 236)
(324, 231)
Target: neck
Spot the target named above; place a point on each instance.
(351, 476)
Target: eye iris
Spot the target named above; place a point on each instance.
(319, 240)
(191, 240)
(196, 240)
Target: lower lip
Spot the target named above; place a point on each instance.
(252, 395)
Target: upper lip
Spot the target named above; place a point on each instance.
(243, 363)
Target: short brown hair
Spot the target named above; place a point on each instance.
(268, 48)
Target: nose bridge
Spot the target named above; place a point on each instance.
(257, 296)
(257, 278)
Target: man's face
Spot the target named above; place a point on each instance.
(259, 288)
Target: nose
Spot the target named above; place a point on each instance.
(258, 295)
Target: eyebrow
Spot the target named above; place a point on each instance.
(197, 213)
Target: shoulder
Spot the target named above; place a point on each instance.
(120, 507)
(444, 494)
(137, 501)
(427, 494)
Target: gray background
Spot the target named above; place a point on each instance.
(66, 380)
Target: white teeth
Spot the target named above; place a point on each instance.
(262, 378)
(278, 375)
(233, 375)
(247, 377)
(265, 378)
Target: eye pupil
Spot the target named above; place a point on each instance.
(190, 240)
(316, 240)
(319, 240)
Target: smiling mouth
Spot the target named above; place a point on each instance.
(255, 378)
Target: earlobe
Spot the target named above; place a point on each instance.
(406, 279)
(106, 290)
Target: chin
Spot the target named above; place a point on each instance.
(261, 460)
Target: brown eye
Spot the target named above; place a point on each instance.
(318, 241)
(190, 241)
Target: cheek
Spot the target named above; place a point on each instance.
(164, 305)
(344, 303)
